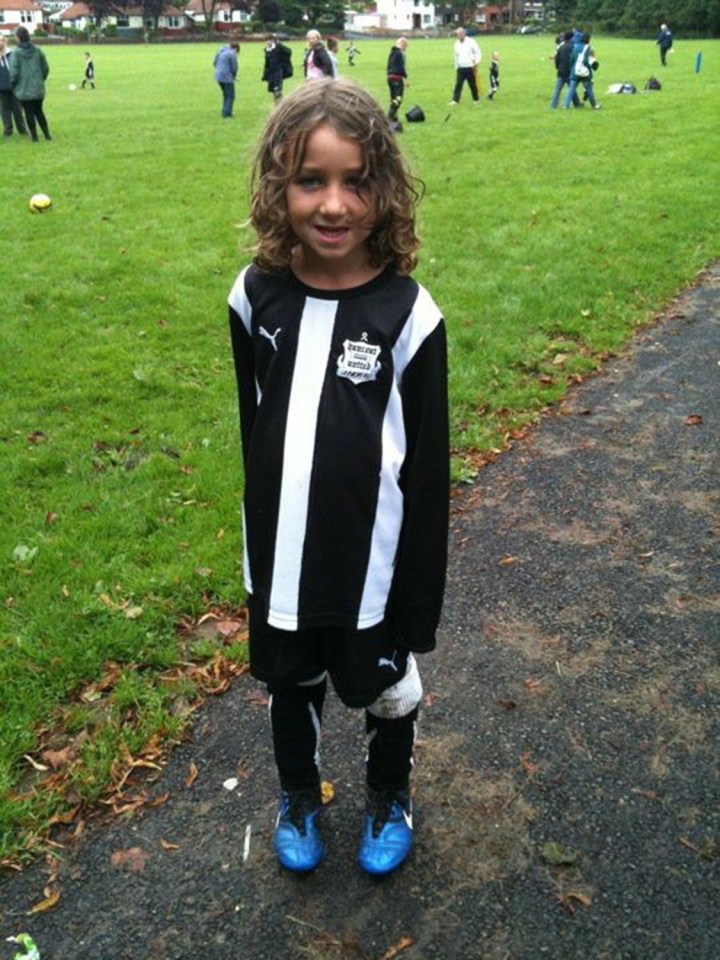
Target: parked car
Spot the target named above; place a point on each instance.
(529, 28)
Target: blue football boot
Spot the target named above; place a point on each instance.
(297, 841)
(388, 835)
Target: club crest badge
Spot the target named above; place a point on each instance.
(359, 360)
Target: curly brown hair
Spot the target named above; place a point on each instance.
(353, 114)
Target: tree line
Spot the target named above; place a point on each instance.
(689, 18)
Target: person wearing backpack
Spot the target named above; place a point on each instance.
(582, 60)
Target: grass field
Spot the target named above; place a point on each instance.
(548, 236)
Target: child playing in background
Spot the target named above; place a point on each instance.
(341, 370)
(332, 49)
(89, 72)
(494, 74)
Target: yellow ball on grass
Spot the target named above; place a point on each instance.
(40, 202)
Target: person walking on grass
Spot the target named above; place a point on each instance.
(467, 59)
(664, 42)
(563, 69)
(10, 109)
(396, 78)
(494, 76)
(341, 369)
(225, 67)
(278, 66)
(582, 60)
(89, 72)
(316, 63)
(28, 71)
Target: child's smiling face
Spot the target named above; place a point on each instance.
(331, 212)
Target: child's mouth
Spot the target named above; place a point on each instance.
(331, 233)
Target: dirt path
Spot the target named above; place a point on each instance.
(567, 780)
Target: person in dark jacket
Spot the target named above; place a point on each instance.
(563, 66)
(317, 63)
(664, 42)
(278, 65)
(396, 78)
(28, 71)
(9, 107)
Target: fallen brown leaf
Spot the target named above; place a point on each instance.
(132, 860)
(47, 904)
(693, 420)
(59, 758)
(402, 944)
(192, 776)
(166, 845)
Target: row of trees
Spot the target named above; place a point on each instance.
(294, 13)
(638, 17)
(626, 17)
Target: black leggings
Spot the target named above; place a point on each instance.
(33, 110)
(296, 717)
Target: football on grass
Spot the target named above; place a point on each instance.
(40, 202)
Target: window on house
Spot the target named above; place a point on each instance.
(123, 21)
(26, 16)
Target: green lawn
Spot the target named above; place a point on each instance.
(548, 236)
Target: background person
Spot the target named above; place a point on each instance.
(332, 49)
(28, 71)
(396, 78)
(664, 42)
(317, 63)
(352, 52)
(10, 109)
(278, 66)
(225, 71)
(467, 58)
(581, 72)
(563, 68)
(494, 76)
(341, 369)
(89, 72)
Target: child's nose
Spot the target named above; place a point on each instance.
(334, 199)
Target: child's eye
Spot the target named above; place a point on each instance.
(308, 182)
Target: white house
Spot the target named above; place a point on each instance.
(79, 16)
(400, 15)
(20, 13)
(224, 17)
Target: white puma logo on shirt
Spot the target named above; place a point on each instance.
(269, 336)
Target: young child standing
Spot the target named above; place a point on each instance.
(342, 376)
(494, 74)
(89, 72)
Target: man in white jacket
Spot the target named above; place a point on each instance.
(467, 59)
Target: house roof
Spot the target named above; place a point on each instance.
(74, 12)
(19, 5)
(78, 10)
(195, 6)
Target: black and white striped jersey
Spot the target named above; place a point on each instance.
(344, 423)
